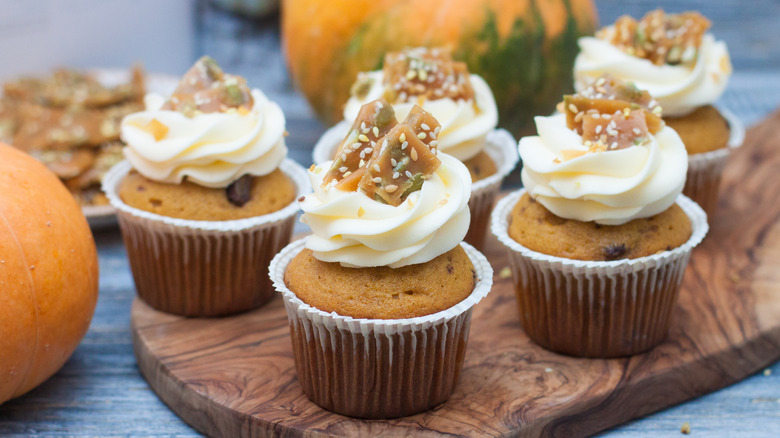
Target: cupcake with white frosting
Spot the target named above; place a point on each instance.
(683, 66)
(206, 194)
(384, 286)
(600, 236)
(462, 103)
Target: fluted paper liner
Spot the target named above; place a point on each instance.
(705, 169)
(203, 268)
(596, 308)
(499, 145)
(376, 368)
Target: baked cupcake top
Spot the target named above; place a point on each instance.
(390, 198)
(672, 56)
(212, 130)
(461, 102)
(607, 158)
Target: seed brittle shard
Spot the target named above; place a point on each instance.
(207, 89)
(608, 95)
(404, 160)
(426, 74)
(373, 121)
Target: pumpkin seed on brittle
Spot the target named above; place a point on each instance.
(404, 161)
(425, 74)
(373, 121)
(206, 88)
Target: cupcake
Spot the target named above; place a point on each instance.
(461, 102)
(380, 296)
(206, 196)
(685, 69)
(599, 238)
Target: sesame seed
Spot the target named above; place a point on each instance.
(402, 137)
(614, 145)
(363, 138)
(601, 81)
(433, 143)
(362, 125)
(362, 163)
(368, 150)
(396, 175)
(422, 135)
(637, 131)
(598, 129)
(612, 125)
(393, 162)
(347, 173)
(425, 127)
(375, 131)
(391, 188)
(343, 169)
(413, 154)
(365, 130)
(411, 74)
(377, 168)
(377, 180)
(408, 174)
(437, 130)
(578, 117)
(343, 157)
(573, 108)
(379, 105)
(404, 145)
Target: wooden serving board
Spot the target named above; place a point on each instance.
(235, 376)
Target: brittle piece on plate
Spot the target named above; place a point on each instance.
(425, 74)
(404, 161)
(67, 128)
(206, 88)
(67, 88)
(373, 121)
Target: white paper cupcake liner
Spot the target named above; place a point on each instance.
(203, 268)
(596, 308)
(705, 169)
(375, 368)
(500, 146)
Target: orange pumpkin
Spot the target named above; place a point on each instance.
(524, 49)
(48, 273)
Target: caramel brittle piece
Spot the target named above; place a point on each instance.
(66, 164)
(608, 95)
(616, 131)
(66, 128)
(373, 121)
(661, 38)
(206, 88)
(425, 74)
(65, 88)
(104, 158)
(404, 161)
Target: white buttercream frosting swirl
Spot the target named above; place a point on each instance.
(678, 88)
(210, 149)
(357, 231)
(610, 187)
(464, 124)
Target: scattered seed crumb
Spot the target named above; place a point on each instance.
(686, 428)
(767, 372)
(505, 272)
(548, 370)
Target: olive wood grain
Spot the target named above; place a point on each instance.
(235, 376)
